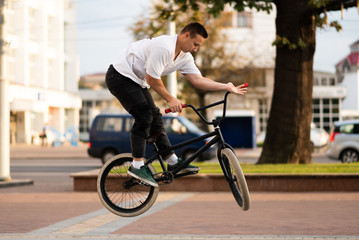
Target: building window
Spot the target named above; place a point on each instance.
(316, 82)
(332, 81)
(32, 69)
(263, 114)
(244, 20)
(50, 31)
(227, 19)
(10, 64)
(325, 112)
(32, 24)
(84, 116)
(50, 73)
(10, 17)
(324, 81)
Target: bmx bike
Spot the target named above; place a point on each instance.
(127, 196)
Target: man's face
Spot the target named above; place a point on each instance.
(192, 44)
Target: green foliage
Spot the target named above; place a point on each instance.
(301, 168)
(336, 25)
(215, 7)
(321, 18)
(284, 42)
(318, 3)
(321, 21)
(214, 167)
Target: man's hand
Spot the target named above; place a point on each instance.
(241, 89)
(175, 105)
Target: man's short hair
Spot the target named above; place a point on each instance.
(195, 28)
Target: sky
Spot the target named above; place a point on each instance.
(103, 31)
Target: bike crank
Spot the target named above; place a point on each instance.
(164, 177)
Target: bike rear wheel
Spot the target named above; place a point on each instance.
(235, 177)
(122, 194)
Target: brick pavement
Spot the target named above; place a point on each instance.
(181, 216)
(68, 215)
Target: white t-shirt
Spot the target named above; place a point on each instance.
(154, 57)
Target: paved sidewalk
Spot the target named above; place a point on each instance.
(307, 216)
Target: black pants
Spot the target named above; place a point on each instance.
(139, 103)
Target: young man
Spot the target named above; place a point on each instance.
(140, 67)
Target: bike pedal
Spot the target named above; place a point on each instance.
(143, 183)
(186, 174)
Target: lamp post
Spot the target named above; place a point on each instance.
(172, 78)
(4, 105)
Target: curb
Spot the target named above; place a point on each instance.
(16, 183)
(87, 181)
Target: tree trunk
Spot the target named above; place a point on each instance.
(288, 130)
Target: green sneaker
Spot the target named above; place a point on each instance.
(189, 168)
(143, 174)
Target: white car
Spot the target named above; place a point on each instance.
(344, 141)
(318, 137)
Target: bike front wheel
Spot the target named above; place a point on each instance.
(235, 177)
(122, 194)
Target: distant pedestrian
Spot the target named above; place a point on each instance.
(43, 137)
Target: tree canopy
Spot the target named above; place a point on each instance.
(288, 129)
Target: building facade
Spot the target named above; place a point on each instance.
(41, 64)
(348, 74)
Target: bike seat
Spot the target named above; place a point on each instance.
(151, 139)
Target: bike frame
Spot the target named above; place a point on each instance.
(218, 138)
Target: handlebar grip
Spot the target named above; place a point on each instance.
(169, 110)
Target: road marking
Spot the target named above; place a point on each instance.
(102, 222)
(122, 221)
(88, 225)
(67, 223)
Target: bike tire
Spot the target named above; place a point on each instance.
(115, 196)
(236, 179)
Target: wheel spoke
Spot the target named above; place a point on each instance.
(121, 193)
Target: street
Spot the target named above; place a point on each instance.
(50, 174)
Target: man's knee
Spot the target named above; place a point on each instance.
(143, 120)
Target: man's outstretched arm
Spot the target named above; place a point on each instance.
(201, 82)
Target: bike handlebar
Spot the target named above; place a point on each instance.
(168, 110)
